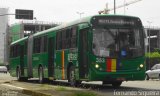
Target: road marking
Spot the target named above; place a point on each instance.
(13, 86)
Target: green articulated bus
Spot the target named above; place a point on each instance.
(107, 48)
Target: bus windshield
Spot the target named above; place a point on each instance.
(123, 42)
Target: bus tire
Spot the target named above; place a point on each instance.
(105, 82)
(72, 77)
(159, 77)
(147, 77)
(116, 84)
(40, 73)
(18, 74)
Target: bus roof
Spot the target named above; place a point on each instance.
(83, 20)
(19, 40)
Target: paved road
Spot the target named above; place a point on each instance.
(134, 88)
(5, 77)
(130, 88)
(6, 90)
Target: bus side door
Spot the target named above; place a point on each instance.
(51, 47)
(83, 53)
(22, 59)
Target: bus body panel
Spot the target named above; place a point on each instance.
(88, 66)
(132, 70)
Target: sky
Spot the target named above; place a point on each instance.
(67, 10)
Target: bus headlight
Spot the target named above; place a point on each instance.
(141, 66)
(97, 66)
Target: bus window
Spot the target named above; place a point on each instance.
(103, 42)
(66, 38)
(59, 40)
(73, 37)
(15, 51)
(45, 40)
(36, 45)
(43, 44)
(117, 42)
(68, 43)
(64, 45)
(25, 48)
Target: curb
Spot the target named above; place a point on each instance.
(28, 92)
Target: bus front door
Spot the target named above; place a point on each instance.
(22, 59)
(83, 56)
(51, 45)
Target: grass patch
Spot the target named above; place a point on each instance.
(81, 93)
(44, 85)
(60, 88)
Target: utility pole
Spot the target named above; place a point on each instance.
(4, 38)
(35, 25)
(149, 41)
(114, 6)
(120, 6)
(124, 7)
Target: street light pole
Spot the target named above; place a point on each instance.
(149, 41)
(35, 25)
(80, 14)
(4, 35)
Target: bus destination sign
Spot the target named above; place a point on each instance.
(115, 21)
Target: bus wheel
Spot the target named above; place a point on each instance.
(40, 72)
(159, 77)
(147, 77)
(18, 74)
(72, 79)
(105, 82)
(116, 84)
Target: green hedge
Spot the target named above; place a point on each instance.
(152, 58)
(153, 55)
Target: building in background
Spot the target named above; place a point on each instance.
(26, 28)
(3, 35)
(153, 34)
(153, 45)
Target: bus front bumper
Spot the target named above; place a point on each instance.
(117, 76)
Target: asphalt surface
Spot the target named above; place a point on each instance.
(11, 87)
(6, 90)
